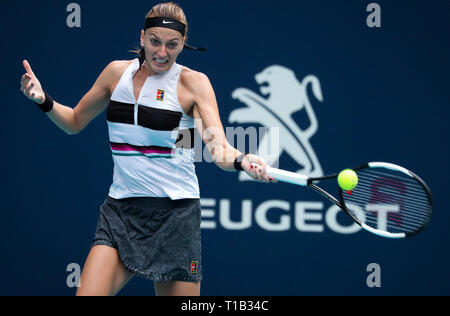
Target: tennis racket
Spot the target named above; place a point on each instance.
(389, 200)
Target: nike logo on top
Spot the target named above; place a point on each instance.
(167, 22)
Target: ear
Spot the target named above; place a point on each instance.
(183, 42)
(142, 38)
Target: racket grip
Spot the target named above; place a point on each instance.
(286, 176)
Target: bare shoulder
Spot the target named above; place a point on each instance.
(194, 81)
(116, 67)
(112, 73)
(189, 74)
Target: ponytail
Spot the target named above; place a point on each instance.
(141, 56)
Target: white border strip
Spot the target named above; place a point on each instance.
(389, 166)
(287, 176)
(382, 233)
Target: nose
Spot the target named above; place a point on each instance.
(162, 52)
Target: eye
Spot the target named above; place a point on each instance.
(172, 45)
(154, 42)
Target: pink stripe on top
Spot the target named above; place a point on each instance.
(141, 149)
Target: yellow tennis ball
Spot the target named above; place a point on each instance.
(347, 179)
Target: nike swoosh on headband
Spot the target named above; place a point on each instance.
(171, 24)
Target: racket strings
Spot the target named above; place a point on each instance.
(389, 221)
(415, 207)
(389, 201)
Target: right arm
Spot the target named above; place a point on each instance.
(74, 120)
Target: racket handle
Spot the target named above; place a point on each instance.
(285, 176)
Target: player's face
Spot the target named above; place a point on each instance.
(162, 46)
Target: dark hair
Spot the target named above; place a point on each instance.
(141, 55)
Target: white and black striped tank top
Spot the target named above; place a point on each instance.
(151, 138)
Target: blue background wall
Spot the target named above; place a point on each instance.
(385, 99)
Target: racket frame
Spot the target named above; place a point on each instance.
(397, 168)
(302, 180)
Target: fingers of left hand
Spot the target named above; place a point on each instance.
(28, 89)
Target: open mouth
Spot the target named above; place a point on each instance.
(160, 61)
(264, 83)
(264, 88)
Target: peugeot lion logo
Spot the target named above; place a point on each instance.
(285, 96)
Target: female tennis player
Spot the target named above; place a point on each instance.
(149, 224)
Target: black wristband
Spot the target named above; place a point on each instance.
(238, 162)
(47, 106)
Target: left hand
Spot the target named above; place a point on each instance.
(257, 173)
